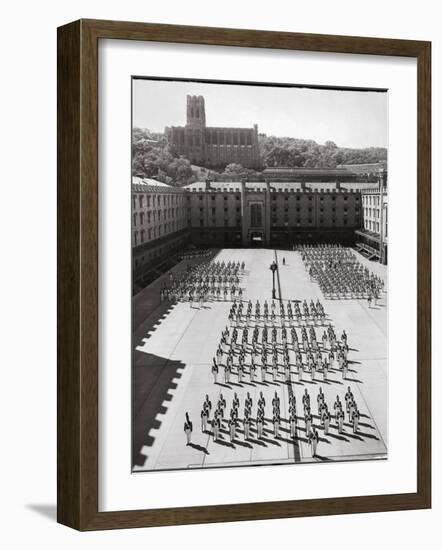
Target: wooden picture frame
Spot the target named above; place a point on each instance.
(78, 274)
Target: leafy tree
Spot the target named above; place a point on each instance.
(304, 153)
(234, 168)
(153, 158)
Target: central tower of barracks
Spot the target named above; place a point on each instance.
(212, 146)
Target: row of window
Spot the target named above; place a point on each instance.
(274, 210)
(274, 221)
(155, 200)
(372, 212)
(372, 226)
(211, 137)
(141, 217)
(321, 199)
(144, 235)
(372, 199)
(310, 221)
(214, 222)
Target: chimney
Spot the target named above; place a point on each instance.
(208, 184)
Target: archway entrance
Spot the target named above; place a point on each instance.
(256, 239)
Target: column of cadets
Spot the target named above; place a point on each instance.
(207, 281)
(339, 274)
(255, 422)
(250, 347)
(243, 357)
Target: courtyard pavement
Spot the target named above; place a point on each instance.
(173, 351)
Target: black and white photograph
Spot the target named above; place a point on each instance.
(259, 227)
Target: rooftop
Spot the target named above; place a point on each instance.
(143, 184)
(285, 186)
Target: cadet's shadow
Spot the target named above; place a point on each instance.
(224, 443)
(257, 442)
(354, 436)
(287, 440)
(242, 443)
(370, 436)
(340, 437)
(224, 385)
(323, 458)
(199, 448)
(284, 430)
(271, 441)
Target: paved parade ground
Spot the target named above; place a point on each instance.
(174, 345)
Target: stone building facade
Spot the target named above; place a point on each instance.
(373, 236)
(159, 224)
(166, 220)
(272, 214)
(213, 147)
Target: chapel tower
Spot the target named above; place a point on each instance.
(196, 112)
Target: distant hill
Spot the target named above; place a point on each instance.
(305, 153)
(152, 157)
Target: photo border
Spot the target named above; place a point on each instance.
(77, 278)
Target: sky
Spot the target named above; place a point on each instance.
(347, 117)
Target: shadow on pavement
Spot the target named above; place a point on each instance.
(152, 378)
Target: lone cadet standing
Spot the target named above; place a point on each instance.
(276, 401)
(207, 403)
(215, 371)
(188, 427)
(344, 368)
(306, 398)
(340, 420)
(314, 441)
(325, 369)
(259, 425)
(326, 420)
(232, 428)
(355, 420)
(308, 422)
(204, 418)
(216, 425)
(276, 421)
(247, 422)
(293, 424)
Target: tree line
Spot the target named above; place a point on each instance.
(152, 157)
(306, 153)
